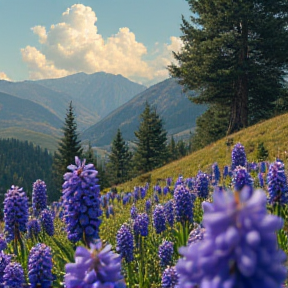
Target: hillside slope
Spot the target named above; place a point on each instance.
(273, 132)
(177, 111)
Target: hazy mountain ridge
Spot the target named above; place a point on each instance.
(177, 111)
(100, 93)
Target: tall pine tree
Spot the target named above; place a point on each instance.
(119, 166)
(68, 147)
(151, 151)
(235, 55)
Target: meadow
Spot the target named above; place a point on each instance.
(208, 202)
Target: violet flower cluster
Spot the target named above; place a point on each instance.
(183, 204)
(216, 173)
(15, 212)
(47, 222)
(165, 253)
(133, 212)
(125, 243)
(33, 228)
(81, 201)
(39, 197)
(241, 178)
(238, 156)
(4, 261)
(201, 187)
(140, 225)
(170, 278)
(169, 212)
(159, 219)
(239, 249)
(13, 275)
(98, 267)
(148, 206)
(40, 266)
(277, 184)
(196, 235)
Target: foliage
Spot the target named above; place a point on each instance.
(262, 152)
(229, 58)
(118, 169)
(68, 147)
(151, 151)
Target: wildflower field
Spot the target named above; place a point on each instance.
(223, 227)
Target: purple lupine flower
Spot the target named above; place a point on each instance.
(125, 245)
(4, 261)
(97, 267)
(142, 192)
(170, 278)
(47, 222)
(216, 173)
(3, 242)
(118, 197)
(15, 212)
(140, 224)
(165, 253)
(242, 178)
(125, 199)
(190, 182)
(240, 245)
(261, 179)
(169, 181)
(81, 201)
(252, 166)
(133, 212)
(40, 266)
(148, 206)
(33, 228)
(156, 198)
(263, 168)
(157, 188)
(277, 184)
(202, 185)
(166, 189)
(159, 219)
(39, 197)
(183, 204)
(196, 235)
(179, 181)
(13, 275)
(238, 156)
(136, 193)
(111, 210)
(169, 212)
(225, 171)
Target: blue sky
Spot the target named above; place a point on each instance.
(128, 37)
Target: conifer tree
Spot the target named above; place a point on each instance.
(68, 147)
(151, 151)
(262, 152)
(119, 166)
(235, 56)
(173, 153)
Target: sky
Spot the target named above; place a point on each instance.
(55, 38)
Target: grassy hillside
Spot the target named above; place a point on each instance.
(37, 138)
(273, 132)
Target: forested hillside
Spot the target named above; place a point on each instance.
(21, 164)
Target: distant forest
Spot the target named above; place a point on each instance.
(21, 164)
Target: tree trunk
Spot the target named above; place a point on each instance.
(239, 105)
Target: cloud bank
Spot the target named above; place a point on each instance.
(74, 45)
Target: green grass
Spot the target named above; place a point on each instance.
(273, 133)
(41, 139)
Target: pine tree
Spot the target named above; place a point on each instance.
(119, 166)
(68, 147)
(151, 151)
(173, 153)
(235, 56)
(181, 148)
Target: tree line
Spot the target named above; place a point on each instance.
(150, 150)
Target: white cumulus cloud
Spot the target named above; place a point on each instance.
(74, 45)
(3, 76)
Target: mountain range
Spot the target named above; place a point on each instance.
(35, 110)
(173, 106)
